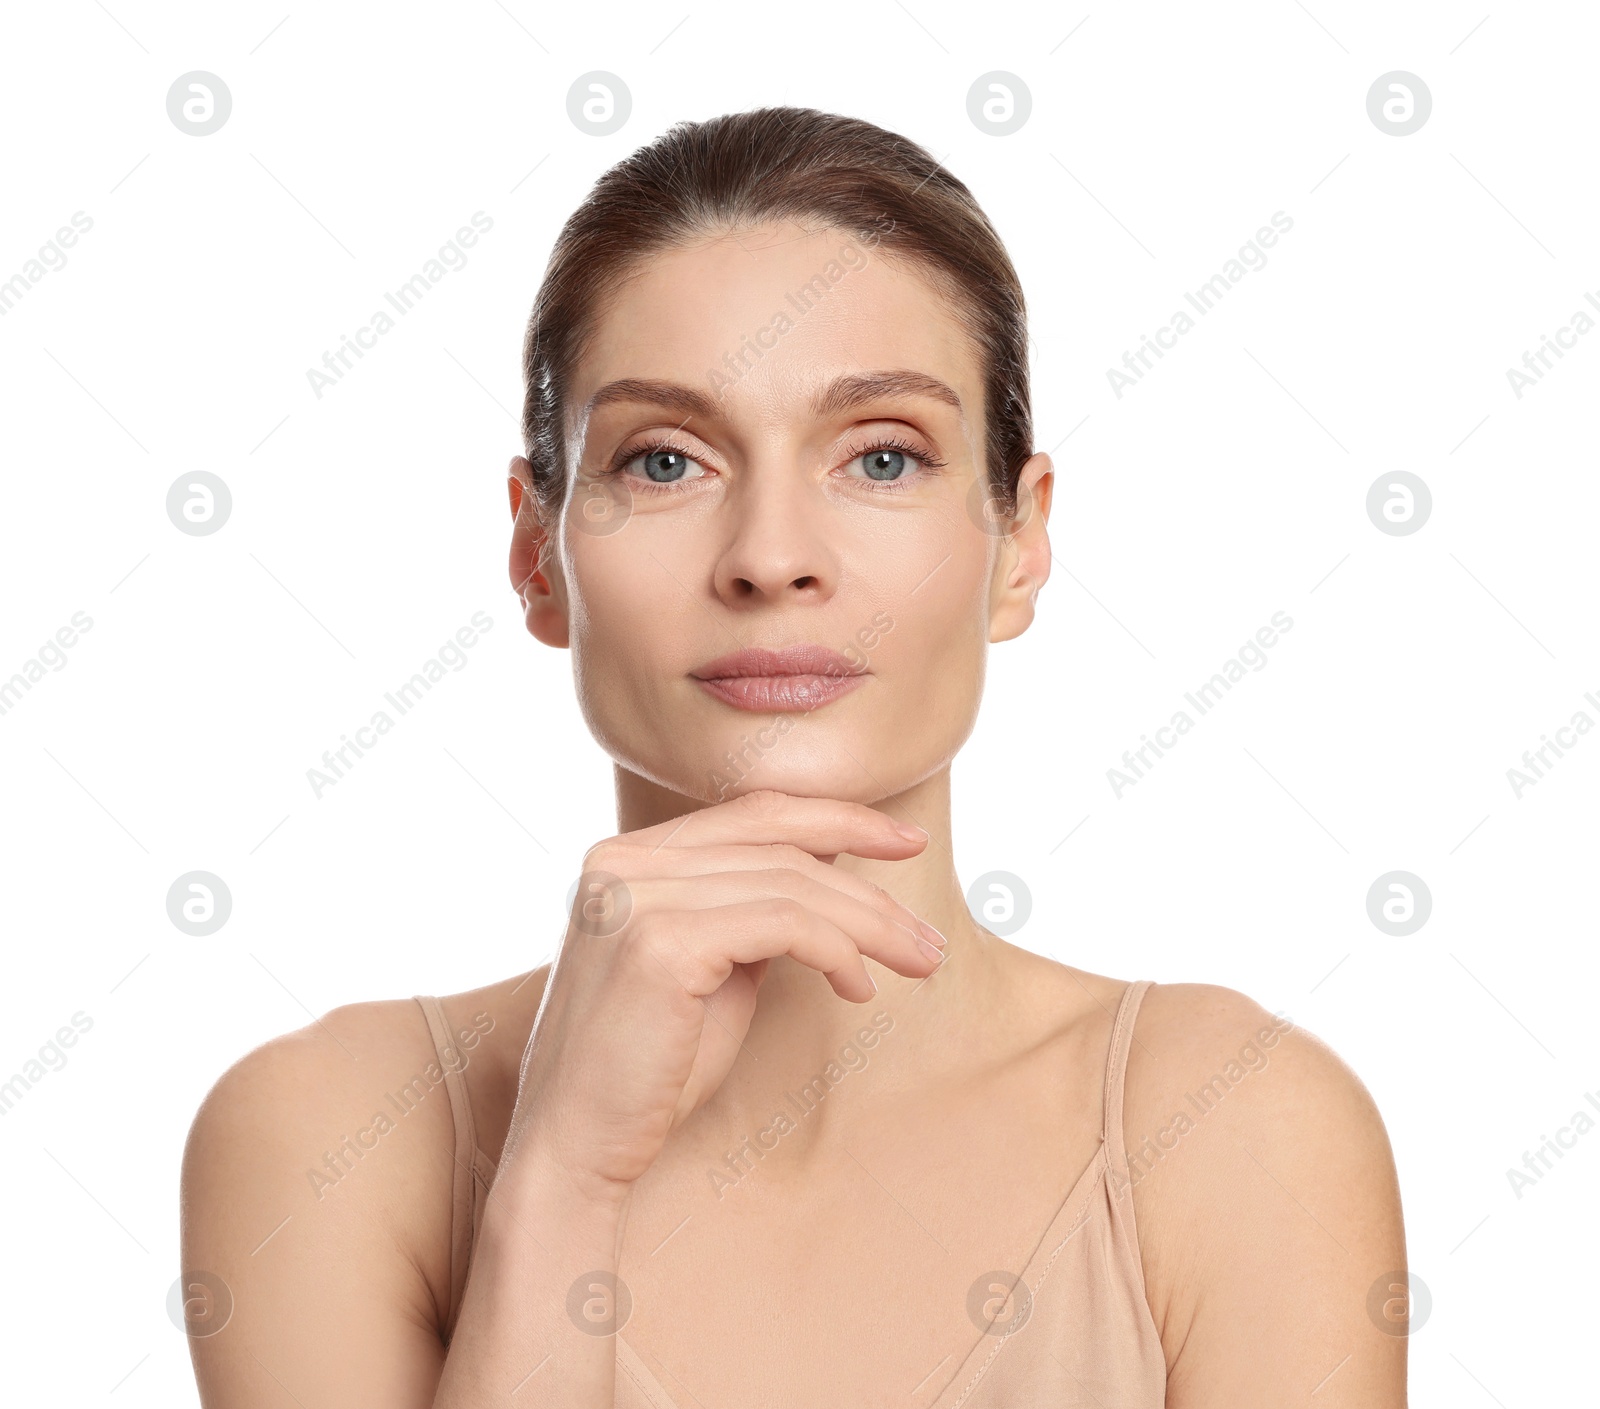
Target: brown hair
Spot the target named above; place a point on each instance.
(766, 165)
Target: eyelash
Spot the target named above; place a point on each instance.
(650, 447)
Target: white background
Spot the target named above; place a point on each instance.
(370, 524)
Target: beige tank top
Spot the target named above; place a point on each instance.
(1082, 1332)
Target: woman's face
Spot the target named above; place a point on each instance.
(775, 441)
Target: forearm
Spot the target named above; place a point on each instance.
(538, 1316)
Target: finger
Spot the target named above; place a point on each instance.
(876, 931)
(641, 864)
(818, 825)
(698, 948)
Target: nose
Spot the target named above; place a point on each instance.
(778, 545)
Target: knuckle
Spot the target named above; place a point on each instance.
(789, 915)
(765, 804)
(788, 856)
(650, 942)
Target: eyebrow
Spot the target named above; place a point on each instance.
(844, 393)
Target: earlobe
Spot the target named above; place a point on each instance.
(1024, 565)
(542, 608)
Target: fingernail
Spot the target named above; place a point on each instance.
(932, 935)
(931, 950)
(910, 832)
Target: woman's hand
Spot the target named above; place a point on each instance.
(671, 933)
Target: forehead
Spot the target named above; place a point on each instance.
(761, 319)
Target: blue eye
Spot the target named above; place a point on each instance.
(884, 464)
(896, 463)
(665, 466)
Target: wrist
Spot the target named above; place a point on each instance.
(536, 1181)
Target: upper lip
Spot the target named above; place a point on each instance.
(790, 660)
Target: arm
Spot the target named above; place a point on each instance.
(328, 1268)
(335, 1268)
(541, 1307)
(1267, 1214)
(338, 1284)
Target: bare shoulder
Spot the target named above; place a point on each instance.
(1267, 1205)
(295, 1119)
(320, 1162)
(1202, 1050)
(310, 1085)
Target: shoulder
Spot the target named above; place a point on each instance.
(316, 1195)
(309, 1084)
(1265, 1194)
(307, 1158)
(1212, 1044)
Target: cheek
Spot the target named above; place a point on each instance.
(621, 604)
(937, 598)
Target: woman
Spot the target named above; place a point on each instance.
(783, 1124)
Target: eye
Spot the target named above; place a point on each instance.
(891, 462)
(660, 463)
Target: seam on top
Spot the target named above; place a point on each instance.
(633, 1364)
(1100, 1163)
(1075, 1222)
(463, 1194)
(1114, 1065)
(1120, 1184)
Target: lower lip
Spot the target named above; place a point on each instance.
(764, 694)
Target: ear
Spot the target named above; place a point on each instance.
(1023, 565)
(535, 578)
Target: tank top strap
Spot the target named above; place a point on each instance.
(1116, 1074)
(464, 1154)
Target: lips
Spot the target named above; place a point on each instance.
(796, 678)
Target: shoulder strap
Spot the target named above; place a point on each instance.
(462, 1193)
(1117, 1070)
(633, 1366)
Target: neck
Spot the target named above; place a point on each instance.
(801, 1026)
